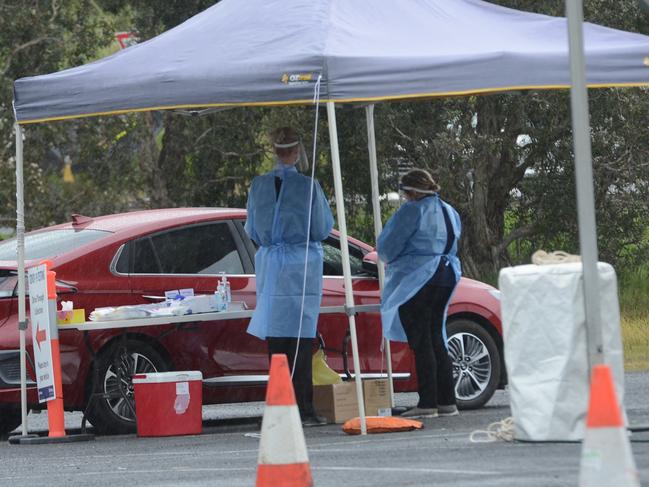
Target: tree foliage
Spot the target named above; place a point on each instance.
(505, 160)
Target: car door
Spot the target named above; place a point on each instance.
(193, 256)
(334, 327)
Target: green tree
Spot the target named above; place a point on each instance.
(38, 37)
(516, 197)
(505, 161)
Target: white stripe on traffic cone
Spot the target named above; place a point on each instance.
(283, 459)
(606, 456)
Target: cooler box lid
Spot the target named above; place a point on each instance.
(175, 376)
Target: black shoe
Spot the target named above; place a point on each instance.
(450, 410)
(313, 420)
(418, 412)
(399, 410)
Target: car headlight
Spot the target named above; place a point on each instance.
(495, 293)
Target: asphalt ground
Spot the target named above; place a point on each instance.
(225, 454)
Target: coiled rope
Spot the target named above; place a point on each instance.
(541, 257)
(498, 430)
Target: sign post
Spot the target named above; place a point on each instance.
(41, 332)
(47, 356)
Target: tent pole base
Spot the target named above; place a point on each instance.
(44, 440)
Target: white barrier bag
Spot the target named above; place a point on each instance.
(546, 353)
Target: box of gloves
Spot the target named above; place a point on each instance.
(71, 317)
(338, 402)
(376, 393)
(67, 315)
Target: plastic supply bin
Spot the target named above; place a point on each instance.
(169, 403)
(545, 337)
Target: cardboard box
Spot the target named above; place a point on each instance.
(338, 403)
(376, 393)
(71, 317)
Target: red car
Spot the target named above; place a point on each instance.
(121, 259)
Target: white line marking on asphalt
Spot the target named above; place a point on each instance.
(203, 451)
(386, 440)
(344, 441)
(408, 469)
(123, 471)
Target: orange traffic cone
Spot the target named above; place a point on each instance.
(283, 459)
(606, 457)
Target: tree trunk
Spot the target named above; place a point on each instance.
(496, 169)
(151, 159)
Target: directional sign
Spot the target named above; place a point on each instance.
(126, 39)
(40, 318)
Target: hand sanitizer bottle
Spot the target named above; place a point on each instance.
(218, 300)
(224, 286)
(221, 289)
(228, 292)
(219, 297)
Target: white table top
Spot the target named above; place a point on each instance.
(215, 316)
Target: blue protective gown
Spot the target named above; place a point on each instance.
(279, 225)
(411, 244)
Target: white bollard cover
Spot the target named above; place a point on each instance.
(546, 354)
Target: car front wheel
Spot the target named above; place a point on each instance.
(113, 405)
(476, 363)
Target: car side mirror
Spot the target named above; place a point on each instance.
(369, 263)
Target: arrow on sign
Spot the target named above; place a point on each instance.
(41, 335)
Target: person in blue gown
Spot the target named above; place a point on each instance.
(279, 205)
(419, 248)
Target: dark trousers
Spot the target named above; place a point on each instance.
(422, 318)
(303, 376)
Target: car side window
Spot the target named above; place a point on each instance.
(198, 249)
(144, 258)
(333, 261)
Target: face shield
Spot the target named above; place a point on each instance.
(302, 163)
(403, 188)
(416, 190)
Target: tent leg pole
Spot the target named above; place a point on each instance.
(584, 182)
(378, 224)
(344, 248)
(20, 241)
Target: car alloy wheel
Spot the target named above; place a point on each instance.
(118, 376)
(476, 363)
(113, 401)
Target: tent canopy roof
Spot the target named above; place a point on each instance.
(267, 52)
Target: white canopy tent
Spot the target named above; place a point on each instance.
(272, 52)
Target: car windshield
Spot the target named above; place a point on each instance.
(44, 245)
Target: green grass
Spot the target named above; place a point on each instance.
(635, 338)
(634, 312)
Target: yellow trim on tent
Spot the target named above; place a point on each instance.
(342, 100)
